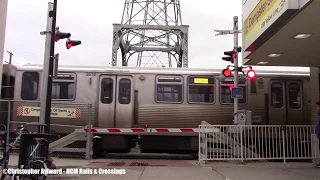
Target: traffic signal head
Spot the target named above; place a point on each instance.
(251, 74)
(231, 55)
(61, 35)
(71, 43)
(226, 72)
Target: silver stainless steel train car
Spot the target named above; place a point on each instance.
(126, 97)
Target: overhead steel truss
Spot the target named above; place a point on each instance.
(150, 29)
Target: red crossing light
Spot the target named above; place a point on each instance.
(226, 72)
(61, 35)
(71, 43)
(251, 74)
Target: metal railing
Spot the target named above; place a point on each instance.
(65, 118)
(257, 142)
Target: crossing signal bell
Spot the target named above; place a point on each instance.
(71, 43)
(231, 55)
(226, 72)
(251, 74)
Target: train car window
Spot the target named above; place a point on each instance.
(7, 88)
(124, 91)
(63, 90)
(294, 96)
(225, 92)
(63, 87)
(169, 93)
(29, 86)
(169, 89)
(225, 97)
(201, 90)
(11, 88)
(276, 95)
(106, 91)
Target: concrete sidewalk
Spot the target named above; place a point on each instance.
(59, 162)
(191, 170)
(232, 172)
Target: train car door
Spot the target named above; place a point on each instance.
(286, 103)
(116, 102)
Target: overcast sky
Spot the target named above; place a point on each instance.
(91, 22)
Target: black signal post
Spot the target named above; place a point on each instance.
(47, 115)
(56, 35)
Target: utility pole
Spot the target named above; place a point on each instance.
(10, 57)
(3, 22)
(236, 64)
(44, 88)
(236, 92)
(235, 33)
(50, 60)
(50, 69)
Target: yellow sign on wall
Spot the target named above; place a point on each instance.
(258, 14)
(201, 80)
(261, 18)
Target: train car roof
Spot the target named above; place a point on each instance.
(158, 70)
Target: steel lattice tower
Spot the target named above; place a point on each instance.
(149, 31)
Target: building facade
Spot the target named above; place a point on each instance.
(3, 19)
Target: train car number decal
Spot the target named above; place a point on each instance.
(90, 74)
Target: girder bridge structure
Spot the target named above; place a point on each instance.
(151, 32)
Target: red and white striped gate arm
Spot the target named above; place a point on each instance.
(139, 130)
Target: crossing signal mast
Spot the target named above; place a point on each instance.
(232, 56)
(50, 67)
